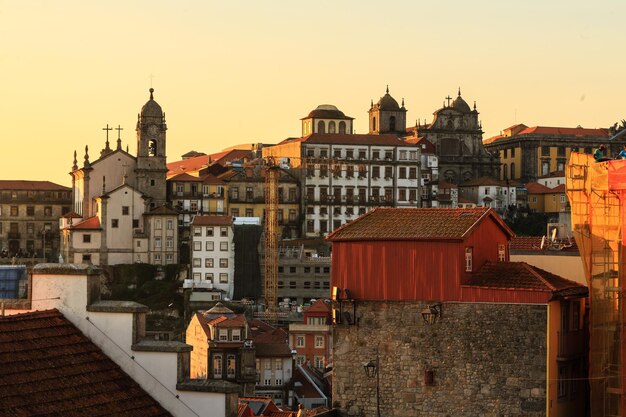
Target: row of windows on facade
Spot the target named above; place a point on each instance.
(404, 194)
(235, 212)
(333, 127)
(210, 246)
(562, 199)
(31, 228)
(192, 188)
(210, 277)
(208, 231)
(301, 340)
(469, 256)
(14, 211)
(169, 258)
(169, 241)
(305, 269)
(306, 285)
(339, 153)
(337, 172)
(249, 193)
(546, 151)
(31, 195)
(208, 262)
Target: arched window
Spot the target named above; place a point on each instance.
(373, 124)
(321, 127)
(392, 124)
(512, 170)
(505, 172)
(450, 177)
(331, 127)
(342, 127)
(152, 148)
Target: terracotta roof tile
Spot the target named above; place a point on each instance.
(212, 221)
(536, 188)
(521, 276)
(533, 243)
(184, 177)
(271, 343)
(20, 185)
(92, 223)
(50, 368)
(415, 224)
(318, 306)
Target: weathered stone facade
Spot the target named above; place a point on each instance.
(489, 360)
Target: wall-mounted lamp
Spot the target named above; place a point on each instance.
(372, 370)
(431, 313)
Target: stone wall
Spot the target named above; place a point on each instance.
(489, 360)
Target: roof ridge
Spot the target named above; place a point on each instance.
(536, 274)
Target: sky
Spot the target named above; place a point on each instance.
(231, 72)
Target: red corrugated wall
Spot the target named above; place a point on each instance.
(422, 270)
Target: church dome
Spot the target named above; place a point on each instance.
(151, 108)
(460, 104)
(387, 102)
(326, 111)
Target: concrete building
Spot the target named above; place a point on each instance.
(312, 339)
(29, 217)
(489, 192)
(63, 293)
(527, 153)
(449, 323)
(212, 255)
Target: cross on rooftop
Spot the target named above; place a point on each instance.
(448, 98)
(107, 130)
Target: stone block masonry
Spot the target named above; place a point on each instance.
(489, 360)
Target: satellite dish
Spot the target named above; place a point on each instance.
(554, 234)
(543, 241)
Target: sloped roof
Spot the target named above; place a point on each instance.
(50, 368)
(533, 243)
(21, 185)
(198, 162)
(318, 306)
(271, 343)
(521, 276)
(212, 221)
(92, 223)
(162, 210)
(489, 181)
(71, 215)
(416, 224)
(552, 131)
(184, 177)
(536, 188)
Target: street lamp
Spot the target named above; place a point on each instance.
(372, 369)
(430, 313)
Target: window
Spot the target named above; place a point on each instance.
(125, 210)
(157, 242)
(224, 278)
(236, 334)
(169, 243)
(388, 172)
(208, 262)
(208, 276)
(30, 228)
(169, 258)
(501, 253)
(402, 172)
(468, 259)
(14, 211)
(197, 262)
(86, 238)
(170, 225)
(224, 231)
(375, 172)
(30, 210)
(196, 276)
(224, 246)
(292, 284)
(217, 365)
(230, 366)
(197, 231)
(135, 223)
(157, 224)
(545, 151)
(115, 223)
(209, 246)
(307, 284)
(86, 258)
(300, 359)
(299, 340)
(47, 211)
(319, 341)
(562, 382)
(278, 364)
(209, 231)
(223, 335)
(402, 194)
(197, 246)
(310, 226)
(319, 362)
(13, 195)
(223, 263)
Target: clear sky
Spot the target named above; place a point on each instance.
(241, 71)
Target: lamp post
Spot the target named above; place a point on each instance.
(372, 369)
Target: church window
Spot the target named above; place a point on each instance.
(392, 123)
(125, 210)
(331, 127)
(30, 210)
(152, 148)
(115, 223)
(86, 238)
(373, 124)
(342, 127)
(321, 127)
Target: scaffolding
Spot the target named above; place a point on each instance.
(597, 195)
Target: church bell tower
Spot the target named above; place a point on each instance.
(151, 164)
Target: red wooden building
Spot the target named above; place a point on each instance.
(432, 293)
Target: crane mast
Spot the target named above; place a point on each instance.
(271, 242)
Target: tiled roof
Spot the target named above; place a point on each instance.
(318, 306)
(162, 210)
(244, 410)
(536, 188)
(521, 276)
(50, 368)
(184, 177)
(415, 224)
(553, 131)
(350, 139)
(306, 389)
(489, 181)
(558, 189)
(20, 185)
(446, 185)
(271, 343)
(212, 221)
(533, 243)
(71, 215)
(192, 154)
(92, 223)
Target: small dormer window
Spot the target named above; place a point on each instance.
(236, 335)
(223, 335)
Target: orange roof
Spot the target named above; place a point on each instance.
(71, 215)
(318, 306)
(489, 181)
(202, 161)
(185, 177)
(416, 224)
(552, 131)
(212, 221)
(92, 223)
(31, 185)
(536, 188)
(521, 276)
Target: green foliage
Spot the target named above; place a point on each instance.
(533, 224)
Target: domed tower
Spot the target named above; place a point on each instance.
(387, 116)
(326, 118)
(151, 166)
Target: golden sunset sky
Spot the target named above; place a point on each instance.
(233, 71)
